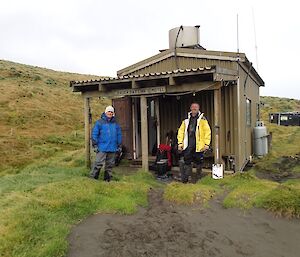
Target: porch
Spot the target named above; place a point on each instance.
(148, 106)
(175, 170)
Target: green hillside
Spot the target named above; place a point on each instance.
(39, 114)
(283, 161)
(277, 104)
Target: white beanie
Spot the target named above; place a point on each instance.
(109, 109)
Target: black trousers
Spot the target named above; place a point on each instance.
(190, 155)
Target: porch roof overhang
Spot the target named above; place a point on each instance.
(174, 81)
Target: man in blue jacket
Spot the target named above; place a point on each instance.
(106, 138)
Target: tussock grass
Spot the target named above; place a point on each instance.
(243, 190)
(39, 113)
(247, 191)
(39, 205)
(188, 193)
(200, 192)
(284, 144)
(284, 200)
(278, 104)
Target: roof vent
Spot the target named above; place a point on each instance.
(184, 36)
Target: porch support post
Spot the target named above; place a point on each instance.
(87, 133)
(144, 133)
(157, 121)
(217, 112)
(133, 129)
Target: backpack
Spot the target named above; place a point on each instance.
(163, 161)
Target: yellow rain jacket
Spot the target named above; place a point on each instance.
(203, 133)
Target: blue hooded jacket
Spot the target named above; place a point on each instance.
(107, 134)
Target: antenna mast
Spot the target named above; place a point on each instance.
(255, 43)
(237, 33)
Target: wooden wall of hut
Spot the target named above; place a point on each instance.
(173, 109)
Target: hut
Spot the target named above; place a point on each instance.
(285, 118)
(152, 97)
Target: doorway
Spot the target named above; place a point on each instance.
(153, 126)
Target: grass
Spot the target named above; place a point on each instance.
(39, 205)
(284, 200)
(242, 190)
(44, 189)
(246, 190)
(284, 147)
(37, 109)
(277, 104)
(189, 193)
(200, 192)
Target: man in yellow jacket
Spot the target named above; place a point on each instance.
(194, 136)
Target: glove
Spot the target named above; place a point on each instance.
(180, 147)
(205, 148)
(95, 146)
(94, 143)
(120, 148)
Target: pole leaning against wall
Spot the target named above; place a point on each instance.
(87, 131)
(144, 133)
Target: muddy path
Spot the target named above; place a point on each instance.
(165, 230)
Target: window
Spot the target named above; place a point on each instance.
(284, 117)
(248, 112)
(258, 112)
(152, 109)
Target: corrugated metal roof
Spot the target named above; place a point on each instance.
(192, 53)
(152, 74)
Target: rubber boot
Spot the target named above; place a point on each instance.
(198, 172)
(107, 177)
(187, 172)
(194, 177)
(182, 171)
(95, 173)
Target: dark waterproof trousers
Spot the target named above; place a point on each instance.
(191, 156)
(106, 159)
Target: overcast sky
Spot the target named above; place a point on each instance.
(101, 37)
